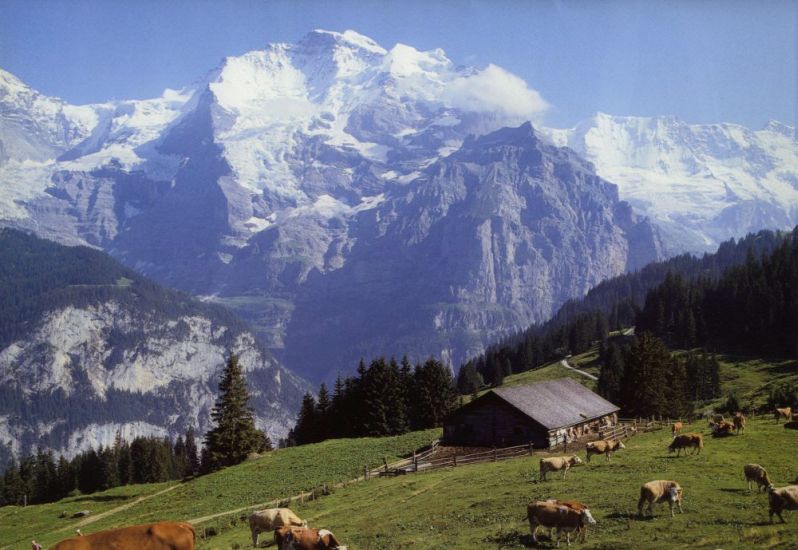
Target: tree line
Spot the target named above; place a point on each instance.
(41, 478)
(751, 310)
(620, 302)
(234, 437)
(385, 398)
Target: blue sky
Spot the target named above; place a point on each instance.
(701, 60)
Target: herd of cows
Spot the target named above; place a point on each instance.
(292, 533)
(571, 516)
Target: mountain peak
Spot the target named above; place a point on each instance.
(321, 38)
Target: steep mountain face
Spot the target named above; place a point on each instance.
(702, 184)
(328, 191)
(89, 348)
(500, 232)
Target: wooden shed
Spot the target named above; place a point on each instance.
(542, 414)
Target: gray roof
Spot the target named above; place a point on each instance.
(556, 403)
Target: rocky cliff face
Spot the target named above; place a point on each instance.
(94, 349)
(328, 191)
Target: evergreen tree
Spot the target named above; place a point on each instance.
(323, 413)
(13, 484)
(66, 477)
(305, 429)
(645, 378)
(192, 457)
(234, 435)
(611, 373)
(435, 396)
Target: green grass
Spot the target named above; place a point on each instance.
(484, 505)
(279, 474)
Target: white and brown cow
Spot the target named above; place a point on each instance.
(739, 422)
(556, 464)
(785, 413)
(305, 538)
(266, 521)
(660, 490)
(562, 518)
(783, 498)
(676, 428)
(603, 446)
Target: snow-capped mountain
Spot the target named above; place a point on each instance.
(305, 182)
(702, 184)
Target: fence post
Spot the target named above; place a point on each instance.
(455, 461)
(415, 463)
(494, 454)
(530, 447)
(366, 473)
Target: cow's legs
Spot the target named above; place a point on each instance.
(533, 526)
(564, 471)
(255, 538)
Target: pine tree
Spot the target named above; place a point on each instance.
(192, 457)
(234, 435)
(323, 412)
(13, 484)
(435, 396)
(305, 429)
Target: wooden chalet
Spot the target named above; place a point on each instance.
(543, 414)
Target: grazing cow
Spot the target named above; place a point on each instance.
(166, 535)
(557, 463)
(785, 413)
(657, 491)
(676, 429)
(717, 419)
(755, 472)
(683, 441)
(563, 518)
(305, 538)
(603, 446)
(783, 498)
(573, 505)
(270, 519)
(739, 422)
(721, 428)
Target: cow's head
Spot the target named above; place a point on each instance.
(672, 446)
(304, 523)
(587, 517)
(621, 445)
(576, 460)
(675, 494)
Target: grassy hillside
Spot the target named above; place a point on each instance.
(279, 474)
(485, 505)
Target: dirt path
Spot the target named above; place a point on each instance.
(565, 364)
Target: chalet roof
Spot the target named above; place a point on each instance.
(556, 403)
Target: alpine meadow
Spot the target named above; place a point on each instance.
(425, 275)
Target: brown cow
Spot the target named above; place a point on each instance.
(721, 428)
(683, 441)
(755, 472)
(739, 422)
(305, 538)
(783, 498)
(557, 463)
(660, 490)
(563, 518)
(270, 519)
(603, 446)
(166, 535)
(573, 505)
(785, 413)
(676, 429)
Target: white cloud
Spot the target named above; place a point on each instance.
(494, 90)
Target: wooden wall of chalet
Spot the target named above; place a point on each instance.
(491, 422)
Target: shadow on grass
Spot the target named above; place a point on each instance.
(734, 490)
(101, 498)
